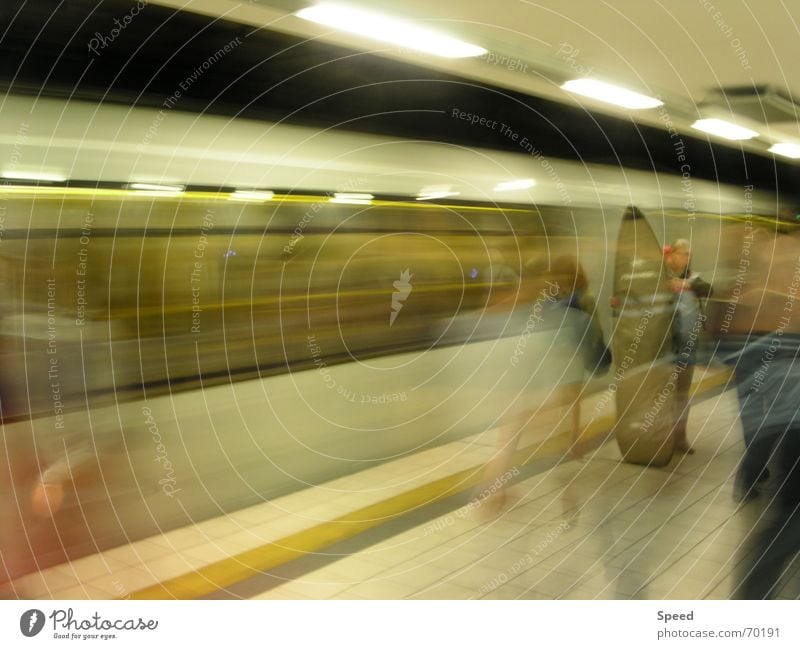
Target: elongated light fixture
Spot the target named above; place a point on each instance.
(432, 192)
(723, 129)
(434, 195)
(786, 149)
(34, 175)
(251, 196)
(351, 198)
(511, 185)
(388, 29)
(611, 94)
(153, 187)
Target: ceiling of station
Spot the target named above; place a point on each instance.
(683, 49)
(692, 54)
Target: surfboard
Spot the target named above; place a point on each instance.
(644, 377)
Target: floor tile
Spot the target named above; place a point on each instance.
(88, 568)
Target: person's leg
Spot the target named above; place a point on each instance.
(767, 564)
(763, 571)
(572, 400)
(508, 435)
(753, 466)
(682, 392)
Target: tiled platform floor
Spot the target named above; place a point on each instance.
(586, 528)
(592, 528)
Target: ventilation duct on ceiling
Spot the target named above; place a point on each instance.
(763, 104)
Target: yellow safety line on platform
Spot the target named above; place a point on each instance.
(230, 571)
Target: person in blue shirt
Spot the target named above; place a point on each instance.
(689, 289)
(571, 292)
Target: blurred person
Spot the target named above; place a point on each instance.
(689, 288)
(744, 322)
(775, 442)
(572, 292)
(16, 558)
(55, 451)
(17, 464)
(545, 337)
(758, 327)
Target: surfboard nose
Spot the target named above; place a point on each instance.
(632, 213)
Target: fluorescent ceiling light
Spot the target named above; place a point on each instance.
(611, 94)
(432, 192)
(34, 175)
(434, 195)
(527, 183)
(786, 149)
(352, 199)
(348, 195)
(253, 196)
(389, 30)
(724, 129)
(151, 187)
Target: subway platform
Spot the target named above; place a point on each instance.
(425, 526)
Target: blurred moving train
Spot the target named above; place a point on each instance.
(200, 313)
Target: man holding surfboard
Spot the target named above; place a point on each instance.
(688, 289)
